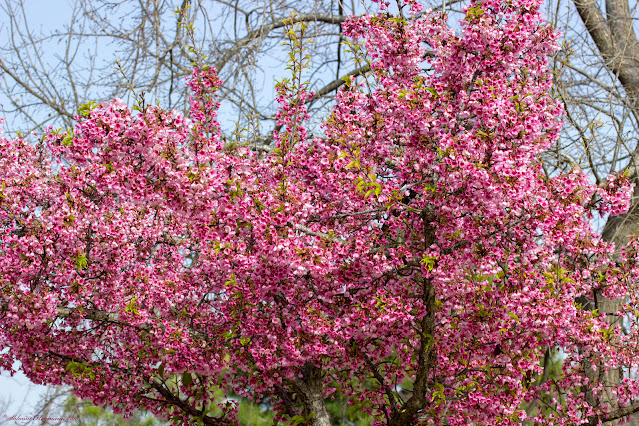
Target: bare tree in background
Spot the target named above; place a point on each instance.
(598, 81)
(46, 77)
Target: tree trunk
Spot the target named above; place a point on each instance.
(312, 389)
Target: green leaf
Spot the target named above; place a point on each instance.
(429, 262)
(187, 379)
(161, 370)
(230, 281)
(474, 12)
(432, 91)
(132, 307)
(85, 109)
(298, 420)
(72, 366)
(81, 261)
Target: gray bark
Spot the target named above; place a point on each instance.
(617, 43)
(311, 387)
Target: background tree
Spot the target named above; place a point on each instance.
(597, 80)
(155, 53)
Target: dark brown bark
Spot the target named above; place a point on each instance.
(426, 352)
(426, 360)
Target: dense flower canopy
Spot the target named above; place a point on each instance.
(148, 263)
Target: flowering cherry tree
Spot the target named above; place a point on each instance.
(149, 264)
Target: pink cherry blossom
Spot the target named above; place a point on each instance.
(418, 241)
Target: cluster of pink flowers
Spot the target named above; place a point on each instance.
(138, 247)
(615, 195)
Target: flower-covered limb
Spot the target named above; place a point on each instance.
(426, 358)
(154, 391)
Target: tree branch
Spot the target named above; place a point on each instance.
(615, 415)
(110, 317)
(267, 28)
